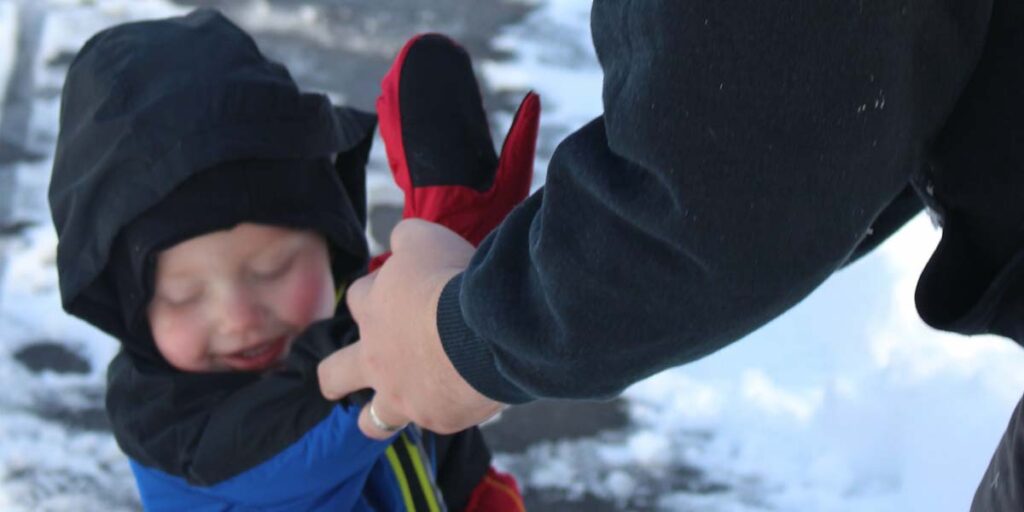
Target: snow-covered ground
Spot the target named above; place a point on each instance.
(53, 456)
(846, 403)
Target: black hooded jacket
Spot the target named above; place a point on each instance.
(146, 107)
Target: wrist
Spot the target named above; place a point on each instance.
(438, 285)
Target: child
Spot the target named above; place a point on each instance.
(207, 210)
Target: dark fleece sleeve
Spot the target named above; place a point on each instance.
(744, 152)
(1002, 486)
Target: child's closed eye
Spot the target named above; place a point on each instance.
(274, 271)
(182, 300)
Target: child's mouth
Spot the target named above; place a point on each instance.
(258, 357)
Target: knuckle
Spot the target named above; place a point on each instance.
(373, 362)
(428, 422)
(447, 427)
(405, 231)
(440, 424)
(395, 399)
(398, 236)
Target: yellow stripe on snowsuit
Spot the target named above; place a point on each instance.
(421, 474)
(411, 470)
(403, 483)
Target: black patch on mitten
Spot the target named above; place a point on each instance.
(444, 128)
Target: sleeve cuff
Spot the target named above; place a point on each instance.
(469, 353)
(959, 292)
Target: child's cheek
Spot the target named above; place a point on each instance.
(309, 297)
(182, 340)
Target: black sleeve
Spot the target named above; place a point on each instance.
(744, 152)
(1002, 486)
(974, 281)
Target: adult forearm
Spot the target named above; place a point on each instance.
(739, 162)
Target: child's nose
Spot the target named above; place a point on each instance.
(239, 313)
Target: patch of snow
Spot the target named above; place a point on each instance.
(45, 464)
(552, 55)
(909, 424)
(8, 43)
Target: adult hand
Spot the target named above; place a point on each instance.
(399, 354)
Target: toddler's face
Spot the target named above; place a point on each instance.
(234, 300)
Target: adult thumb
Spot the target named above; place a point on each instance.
(429, 241)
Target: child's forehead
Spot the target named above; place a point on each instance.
(241, 243)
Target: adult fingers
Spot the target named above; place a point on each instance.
(341, 373)
(358, 293)
(378, 421)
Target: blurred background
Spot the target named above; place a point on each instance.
(846, 403)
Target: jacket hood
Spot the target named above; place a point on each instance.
(148, 105)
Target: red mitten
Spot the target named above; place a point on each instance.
(439, 145)
(497, 492)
